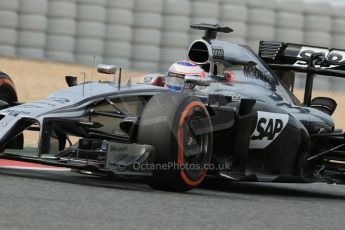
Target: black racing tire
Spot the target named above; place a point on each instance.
(8, 95)
(7, 89)
(166, 125)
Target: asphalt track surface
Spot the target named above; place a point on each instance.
(68, 200)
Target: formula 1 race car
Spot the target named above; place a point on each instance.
(240, 122)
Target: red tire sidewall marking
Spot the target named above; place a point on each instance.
(180, 157)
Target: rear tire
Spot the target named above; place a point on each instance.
(166, 125)
(8, 95)
(7, 89)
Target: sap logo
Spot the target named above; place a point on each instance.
(333, 55)
(307, 51)
(273, 127)
(268, 128)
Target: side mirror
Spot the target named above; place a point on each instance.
(106, 69)
(325, 104)
(196, 80)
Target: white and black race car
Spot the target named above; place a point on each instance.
(240, 122)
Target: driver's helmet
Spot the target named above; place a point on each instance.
(177, 71)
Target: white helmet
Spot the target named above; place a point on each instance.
(177, 72)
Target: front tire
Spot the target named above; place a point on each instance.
(178, 126)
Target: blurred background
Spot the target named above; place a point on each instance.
(149, 35)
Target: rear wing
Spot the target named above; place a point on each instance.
(303, 58)
(311, 60)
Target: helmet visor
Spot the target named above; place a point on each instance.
(174, 81)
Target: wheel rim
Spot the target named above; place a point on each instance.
(193, 148)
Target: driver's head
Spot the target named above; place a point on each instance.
(177, 71)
